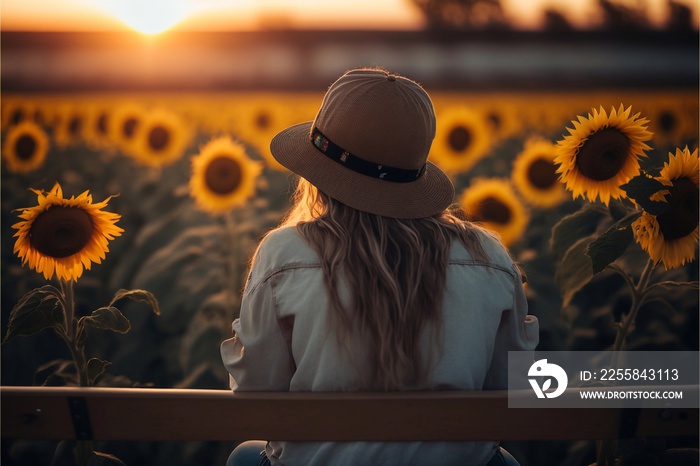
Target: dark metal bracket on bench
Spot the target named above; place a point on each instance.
(81, 418)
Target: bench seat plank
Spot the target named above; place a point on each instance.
(187, 414)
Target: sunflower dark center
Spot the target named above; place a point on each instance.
(101, 124)
(494, 210)
(17, 116)
(495, 120)
(75, 124)
(223, 175)
(667, 121)
(459, 138)
(603, 155)
(681, 217)
(262, 120)
(61, 231)
(542, 174)
(25, 147)
(129, 127)
(158, 138)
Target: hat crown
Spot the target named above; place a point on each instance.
(379, 117)
(368, 147)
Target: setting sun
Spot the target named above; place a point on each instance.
(150, 17)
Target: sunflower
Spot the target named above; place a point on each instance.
(601, 153)
(48, 111)
(223, 176)
(504, 120)
(123, 124)
(258, 119)
(670, 122)
(672, 236)
(160, 139)
(535, 175)
(70, 126)
(25, 147)
(97, 126)
(64, 236)
(14, 111)
(462, 138)
(493, 203)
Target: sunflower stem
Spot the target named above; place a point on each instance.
(606, 448)
(76, 350)
(638, 292)
(68, 307)
(82, 450)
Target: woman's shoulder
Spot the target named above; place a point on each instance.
(282, 236)
(493, 249)
(283, 246)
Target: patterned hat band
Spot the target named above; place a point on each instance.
(359, 165)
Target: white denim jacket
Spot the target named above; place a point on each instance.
(282, 342)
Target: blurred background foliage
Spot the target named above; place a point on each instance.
(195, 261)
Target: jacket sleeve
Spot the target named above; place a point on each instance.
(517, 331)
(258, 356)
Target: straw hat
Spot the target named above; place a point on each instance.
(368, 147)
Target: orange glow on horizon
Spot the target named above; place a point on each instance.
(153, 16)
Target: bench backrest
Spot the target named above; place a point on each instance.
(175, 414)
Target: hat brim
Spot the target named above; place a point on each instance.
(429, 195)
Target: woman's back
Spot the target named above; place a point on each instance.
(288, 327)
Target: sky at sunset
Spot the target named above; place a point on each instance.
(156, 15)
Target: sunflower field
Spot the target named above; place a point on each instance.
(169, 194)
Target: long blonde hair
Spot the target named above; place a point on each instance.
(396, 271)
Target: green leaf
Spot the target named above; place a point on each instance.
(641, 188)
(668, 288)
(36, 310)
(57, 372)
(107, 318)
(671, 286)
(572, 228)
(612, 243)
(137, 295)
(99, 459)
(95, 367)
(574, 271)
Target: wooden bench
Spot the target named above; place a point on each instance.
(174, 414)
